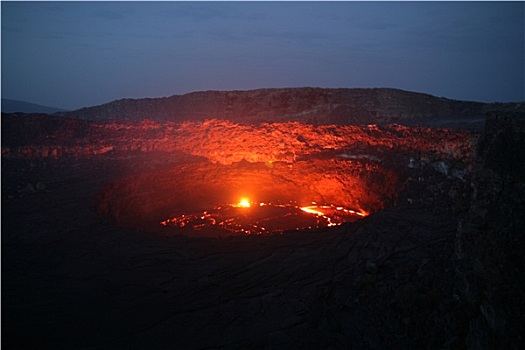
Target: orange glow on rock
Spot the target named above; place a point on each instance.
(348, 171)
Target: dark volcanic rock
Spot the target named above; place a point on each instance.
(222, 141)
(499, 182)
(313, 105)
(491, 264)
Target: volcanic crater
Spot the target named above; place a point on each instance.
(434, 264)
(292, 176)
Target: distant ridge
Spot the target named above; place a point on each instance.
(14, 106)
(313, 105)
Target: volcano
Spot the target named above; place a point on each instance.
(124, 234)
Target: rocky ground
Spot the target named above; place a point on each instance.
(441, 267)
(43, 136)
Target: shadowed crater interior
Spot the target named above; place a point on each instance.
(204, 198)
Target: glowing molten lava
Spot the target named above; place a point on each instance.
(244, 203)
(312, 210)
(264, 218)
(330, 211)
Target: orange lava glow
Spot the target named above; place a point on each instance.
(267, 217)
(329, 211)
(243, 203)
(312, 210)
(255, 178)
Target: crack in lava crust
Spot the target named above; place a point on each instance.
(262, 218)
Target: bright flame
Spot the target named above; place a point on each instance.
(244, 203)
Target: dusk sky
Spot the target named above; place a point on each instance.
(76, 54)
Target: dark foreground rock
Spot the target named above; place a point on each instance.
(491, 263)
(73, 280)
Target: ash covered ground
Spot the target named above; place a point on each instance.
(436, 264)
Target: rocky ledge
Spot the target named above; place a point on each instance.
(220, 141)
(310, 105)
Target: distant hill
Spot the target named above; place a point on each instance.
(313, 105)
(14, 106)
